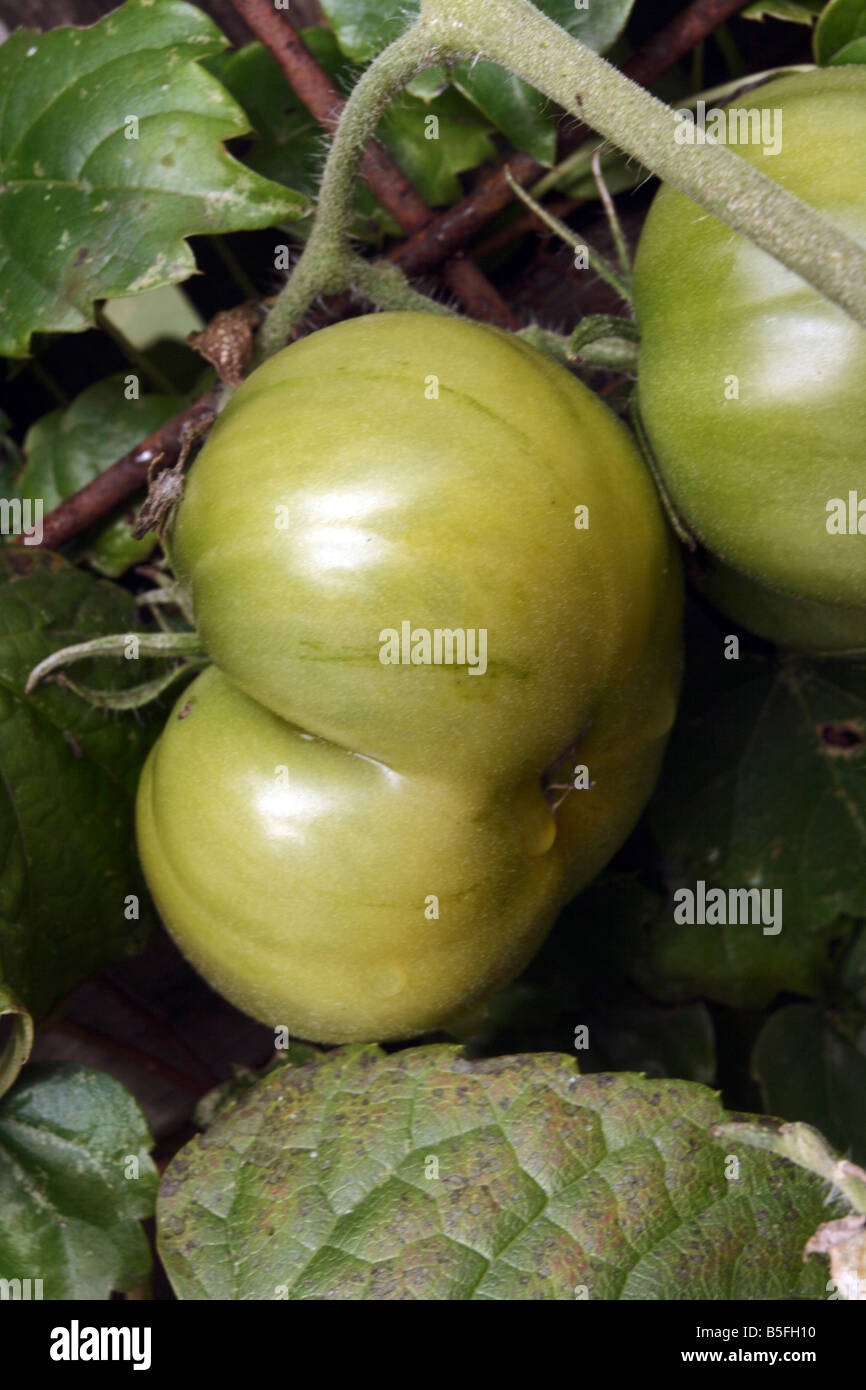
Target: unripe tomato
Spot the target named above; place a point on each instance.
(752, 386)
(359, 848)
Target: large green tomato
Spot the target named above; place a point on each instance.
(752, 386)
(346, 836)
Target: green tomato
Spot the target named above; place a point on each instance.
(751, 384)
(114, 550)
(361, 848)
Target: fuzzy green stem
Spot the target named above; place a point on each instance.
(574, 166)
(325, 266)
(552, 344)
(518, 37)
(386, 285)
(603, 340)
(579, 163)
(170, 591)
(611, 354)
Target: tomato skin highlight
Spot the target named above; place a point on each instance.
(752, 386)
(362, 850)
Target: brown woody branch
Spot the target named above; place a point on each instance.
(102, 494)
(679, 37)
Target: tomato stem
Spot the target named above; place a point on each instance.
(616, 231)
(327, 264)
(386, 285)
(519, 38)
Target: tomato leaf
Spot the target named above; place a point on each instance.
(364, 27)
(423, 1174)
(840, 36)
(735, 965)
(808, 1070)
(110, 155)
(287, 144)
(764, 786)
(433, 141)
(76, 1179)
(598, 26)
(523, 114)
(67, 777)
(791, 10)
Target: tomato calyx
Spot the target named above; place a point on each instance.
(165, 487)
(184, 647)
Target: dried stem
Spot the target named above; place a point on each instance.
(109, 489)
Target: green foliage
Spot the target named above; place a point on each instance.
(67, 774)
(427, 1175)
(525, 117)
(71, 445)
(764, 783)
(76, 1180)
(68, 447)
(840, 36)
(110, 155)
(809, 1070)
(793, 11)
(494, 1173)
(289, 145)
